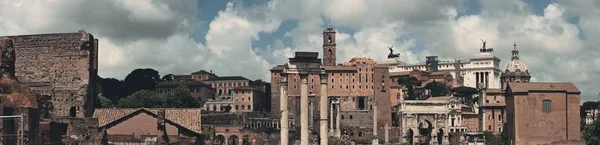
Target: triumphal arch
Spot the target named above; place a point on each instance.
(426, 121)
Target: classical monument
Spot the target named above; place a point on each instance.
(426, 121)
(482, 67)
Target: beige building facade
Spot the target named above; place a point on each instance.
(248, 99)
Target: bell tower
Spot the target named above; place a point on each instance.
(329, 47)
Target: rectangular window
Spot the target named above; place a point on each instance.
(499, 118)
(547, 105)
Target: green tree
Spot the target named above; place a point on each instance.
(141, 79)
(142, 98)
(105, 102)
(591, 133)
(168, 78)
(112, 88)
(438, 88)
(492, 139)
(410, 83)
(466, 93)
(181, 97)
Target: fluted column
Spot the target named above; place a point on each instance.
(284, 110)
(304, 110)
(323, 110)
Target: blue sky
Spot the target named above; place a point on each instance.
(248, 37)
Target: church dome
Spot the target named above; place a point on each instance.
(515, 63)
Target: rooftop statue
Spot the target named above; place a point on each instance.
(392, 55)
(483, 49)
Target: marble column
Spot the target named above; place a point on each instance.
(283, 106)
(387, 133)
(310, 114)
(487, 80)
(375, 140)
(331, 115)
(304, 110)
(338, 118)
(323, 110)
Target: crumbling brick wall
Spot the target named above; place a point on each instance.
(62, 66)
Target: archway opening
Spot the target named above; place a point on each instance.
(73, 112)
(409, 136)
(220, 140)
(440, 136)
(246, 140)
(425, 129)
(233, 140)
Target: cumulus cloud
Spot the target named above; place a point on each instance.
(557, 44)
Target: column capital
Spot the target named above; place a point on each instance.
(324, 78)
(283, 79)
(304, 78)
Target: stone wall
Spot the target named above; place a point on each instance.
(62, 66)
(356, 118)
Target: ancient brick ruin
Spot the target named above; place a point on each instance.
(60, 71)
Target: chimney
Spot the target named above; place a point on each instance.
(162, 136)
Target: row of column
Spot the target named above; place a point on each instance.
(482, 77)
(304, 110)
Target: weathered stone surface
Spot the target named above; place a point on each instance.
(61, 66)
(55, 73)
(12, 94)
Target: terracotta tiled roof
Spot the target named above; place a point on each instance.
(543, 86)
(108, 115)
(186, 117)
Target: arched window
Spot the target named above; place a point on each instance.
(73, 112)
(329, 51)
(546, 105)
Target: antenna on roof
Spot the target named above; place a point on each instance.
(328, 19)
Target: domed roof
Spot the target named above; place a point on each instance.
(515, 63)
